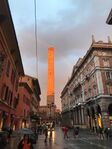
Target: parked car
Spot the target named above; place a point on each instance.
(3, 139)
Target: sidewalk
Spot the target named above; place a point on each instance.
(92, 138)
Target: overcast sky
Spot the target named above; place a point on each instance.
(65, 24)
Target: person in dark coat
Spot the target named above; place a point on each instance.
(46, 133)
(3, 141)
(76, 131)
(25, 143)
(106, 133)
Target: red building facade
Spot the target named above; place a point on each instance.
(10, 68)
(29, 100)
(23, 108)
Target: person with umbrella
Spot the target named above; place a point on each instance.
(25, 143)
(65, 131)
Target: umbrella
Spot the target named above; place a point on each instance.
(25, 131)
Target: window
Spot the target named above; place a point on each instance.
(109, 89)
(85, 93)
(106, 62)
(10, 101)
(108, 75)
(16, 100)
(6, 93)
(8, 69)
(28, 112)
(24, 112)
(9, 95)
(24, 98)
(89, 92)
(13, 75)
(3, 91)
(16, 86)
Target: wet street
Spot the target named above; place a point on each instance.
(86, 140)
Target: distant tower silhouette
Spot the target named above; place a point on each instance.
(50, 89)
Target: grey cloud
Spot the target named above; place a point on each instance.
(65, 40)
(70, 35)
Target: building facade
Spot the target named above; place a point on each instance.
(87, 97)
(44, 113)
(47, 113)
(24, 105)
(30, 95)
(11, 68)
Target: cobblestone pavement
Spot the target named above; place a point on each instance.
(86, 140)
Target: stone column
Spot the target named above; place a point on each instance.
(82, 114)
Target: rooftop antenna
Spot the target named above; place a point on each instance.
(93, 39)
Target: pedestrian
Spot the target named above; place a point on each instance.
(65, 131)
(3, 140)
(107, 132)
(25, 143)
(50, 136)
(101, 133)
(76, 131)
(46, 133)
(9, 130)
(53, 124)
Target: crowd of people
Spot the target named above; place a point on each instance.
(5, 135)
(75, 131)
(47, 128)
(101, 133)
(26, 142)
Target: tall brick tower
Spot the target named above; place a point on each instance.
(50, 91)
